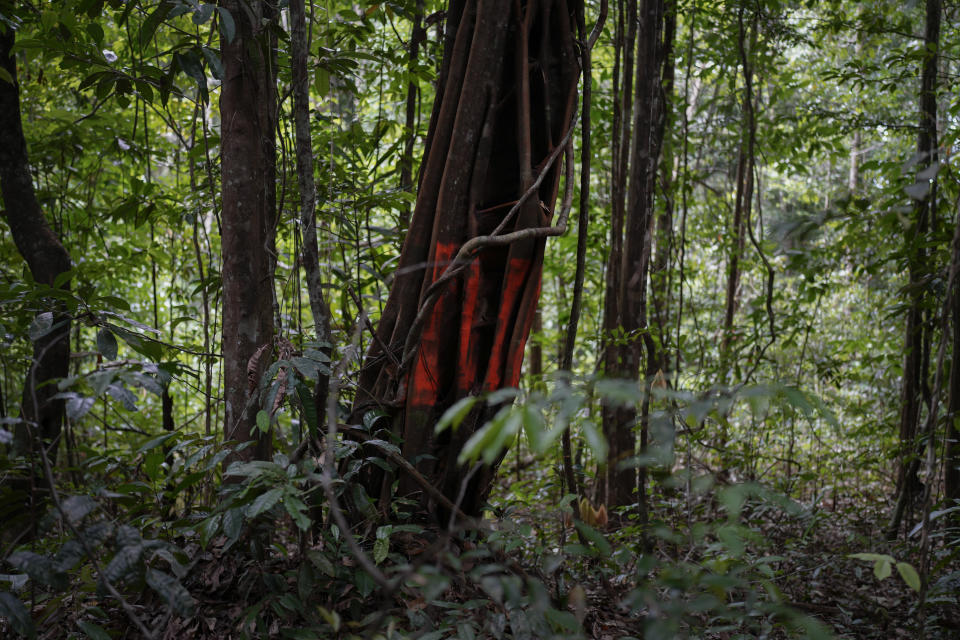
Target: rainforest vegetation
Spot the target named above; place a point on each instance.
(479, 319)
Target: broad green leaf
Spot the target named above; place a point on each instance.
(264, 502)
(263, 421)
(595, 439)
(153, 443)
(453, 416)
(170, 589)
(882, 568)
(562, 621)
(40, 568)
(76, 508)
(595, 538)
(107, 344)
(41, 325)
(202, 13)
(93, 631)
(381, 546)
(13, 610)
(228, 28)
(909, 575)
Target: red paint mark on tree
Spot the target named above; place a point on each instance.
(424, 387)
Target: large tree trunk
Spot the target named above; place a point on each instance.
(504, 107)
(46, 258)
(248, 166)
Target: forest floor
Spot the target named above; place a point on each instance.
(805, 557)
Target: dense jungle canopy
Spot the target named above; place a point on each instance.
(479, 319)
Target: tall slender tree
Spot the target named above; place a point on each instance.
(248, 116)
(917, 337)
(626, 357)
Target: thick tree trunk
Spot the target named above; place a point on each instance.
(46, 258)
(248, 117)
(505, 106)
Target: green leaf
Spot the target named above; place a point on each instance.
(594, 537)
(909, 575)
(78, 406)
(233, 523)
(107, 344)
(213, 60)
(533, 427)
(453, 416)
(264, 502)
(93, 631)
(310, 415)
(202, 14)
(298, 511)
(881, 568)
(263, 421)
(381, 547)
(41, 325)
(13, 610)
(123, 562)
(153, 443)
(595, 439)
(562, 621)
(228, 28)
(5, 76)
(170, 589)
(149, 27)
(76, 508)
(40, 568)
(489, 441)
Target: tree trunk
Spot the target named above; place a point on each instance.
(648, 126)
(951, 462)
(308, 192)
(417, 35)
(248, 167)
(917, 331)
(743, 201)
(619, 437)
(504, 109)
(46, 258)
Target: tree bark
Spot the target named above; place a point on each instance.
(619, 437)
(46, 258)
(744, 197)
(417, 35)
(308, 192)
(917, 332)
(248, 168)
(626, 357)
(504, 106)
